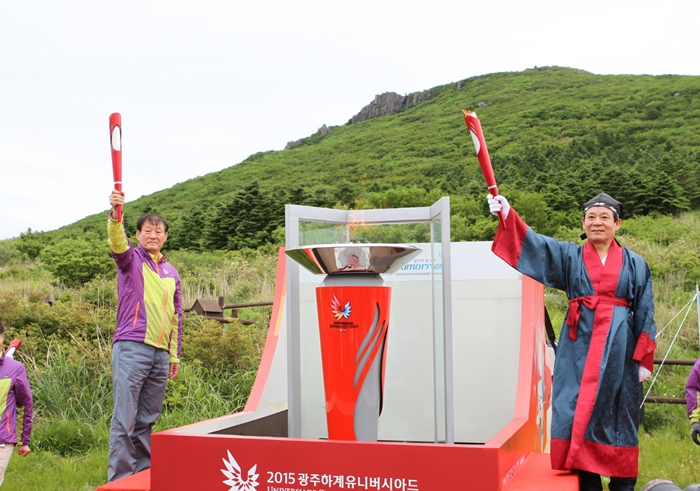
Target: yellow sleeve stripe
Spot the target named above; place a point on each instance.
(116, 237)
(695, 415)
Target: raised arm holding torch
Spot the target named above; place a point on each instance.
(115, 135)
(482, 153)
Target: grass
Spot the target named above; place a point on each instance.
(46, 471)
(668, 452)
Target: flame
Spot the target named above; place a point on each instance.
(356, 226)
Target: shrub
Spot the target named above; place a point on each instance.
(9, 253)
(77, 261)
(229, 347)
(32, 243)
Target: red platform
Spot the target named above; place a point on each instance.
(218, 455)
(536, 474)
(137, 482)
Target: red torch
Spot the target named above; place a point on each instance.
(115, 135)
(482, 153)
(13, 347)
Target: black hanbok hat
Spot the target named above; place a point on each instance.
(606, 201)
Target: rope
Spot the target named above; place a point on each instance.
(686, 306)
(687, 311)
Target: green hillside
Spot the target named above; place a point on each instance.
(556, 136)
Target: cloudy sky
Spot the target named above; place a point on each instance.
(201, 85)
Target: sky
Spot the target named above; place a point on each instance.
(202, 85)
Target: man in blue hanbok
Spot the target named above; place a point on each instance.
(606, 346)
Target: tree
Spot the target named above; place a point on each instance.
(247, 220)
(32, 243)
(532, 207)
(257, 215)
(187, 231)
(402, 197)
(668, 196)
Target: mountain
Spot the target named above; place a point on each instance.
(557, 136)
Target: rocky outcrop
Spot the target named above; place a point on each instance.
(383, 105)
(389, 103)
(321, 131)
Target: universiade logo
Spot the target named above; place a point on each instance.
(235, 478)
(338, 310)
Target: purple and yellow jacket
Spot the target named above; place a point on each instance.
(692, 392)
(149, 309)
(14, 391)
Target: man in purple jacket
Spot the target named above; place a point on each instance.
(692, 391)
(14, 392)
(147, 339)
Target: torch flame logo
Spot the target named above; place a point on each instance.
(338, 310)
(235, 479)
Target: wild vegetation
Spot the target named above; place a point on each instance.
(557, 136)
(67, 352)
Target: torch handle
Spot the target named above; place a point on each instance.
(482, 154)
(115, 136)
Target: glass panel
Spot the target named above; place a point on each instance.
(409, 397)
(415, 399)
(404, 233)
(321, 233)
(330, 233)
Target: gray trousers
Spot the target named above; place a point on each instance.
(139, 377)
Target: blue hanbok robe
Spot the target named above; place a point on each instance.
(609, 331)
